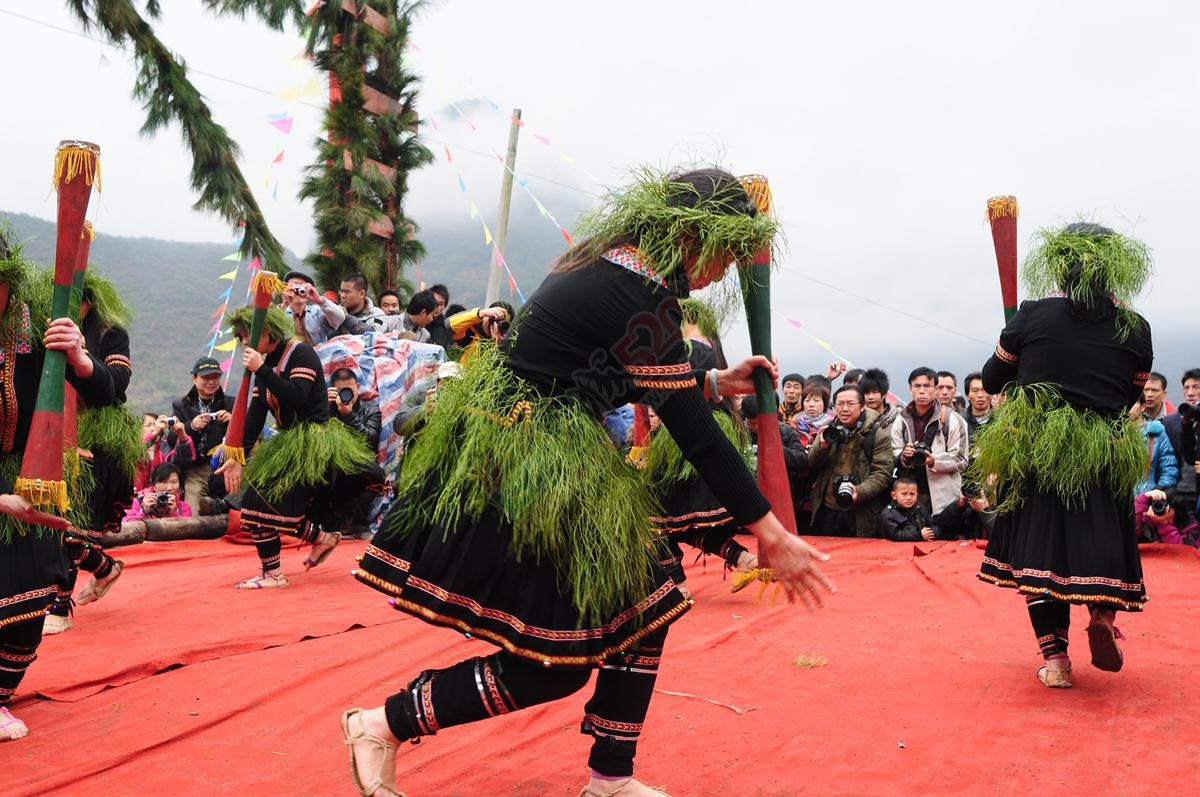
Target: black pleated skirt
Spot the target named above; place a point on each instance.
(1080, 554)
(31, 567)
(468, 579)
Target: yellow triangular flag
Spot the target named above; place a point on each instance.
(229, 275)
(311, 89)
(235, 256)
(291, 95)
(227, 345)
(487, 235)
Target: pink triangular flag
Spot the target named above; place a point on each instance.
(284, 125)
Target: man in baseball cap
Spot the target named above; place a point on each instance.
(204, 413)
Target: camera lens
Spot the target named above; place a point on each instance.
(346, 395)
(844, 497)
(1158, 507)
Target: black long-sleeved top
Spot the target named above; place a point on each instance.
(365, 417)
(110, 345)
(187, 408)
(291, 384)
(20, 374)
(605, 336)
(1047, 342)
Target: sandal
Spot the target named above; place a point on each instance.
(11, 728)
(1102, 639)
(321, 550)
(586, 792)
(97, 588)
(263, 581)
(375, 788)
(1055, 679)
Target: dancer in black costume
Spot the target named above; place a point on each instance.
(517, 522)
(1062, 453)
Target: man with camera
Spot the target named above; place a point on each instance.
(852, 463)
(204, 412)
(359, 414)
(929, 441)
(316, 318)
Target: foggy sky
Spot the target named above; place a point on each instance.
(883, 127)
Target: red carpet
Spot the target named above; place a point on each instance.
(176, 683)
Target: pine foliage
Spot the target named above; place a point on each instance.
(162, 85)
(348, 200)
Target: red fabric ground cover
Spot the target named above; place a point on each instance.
(924, 684)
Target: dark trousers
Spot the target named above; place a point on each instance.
(479, 688)
(834, 522)
(18, 649)
(82, 554)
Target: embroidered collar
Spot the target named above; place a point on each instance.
(628, 257)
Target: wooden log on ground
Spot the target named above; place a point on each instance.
(203, 527)
(131, 533)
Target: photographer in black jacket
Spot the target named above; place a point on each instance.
(204, 412)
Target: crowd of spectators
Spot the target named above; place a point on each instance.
(860, 462)
(861, 465)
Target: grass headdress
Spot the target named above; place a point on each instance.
(105, 301)
(673, 217)
(14, 271)
(278, 324)
(1093, 265)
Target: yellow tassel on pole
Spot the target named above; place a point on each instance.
(44, 494)
(267, 282)
(89, 231)
(1001, 207)
(759, 190)
(745, 579)
(225, 453)
(75, 158)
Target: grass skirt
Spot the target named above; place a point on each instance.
(115, 431)
(306, 455)
(516, 521)
(1063, 481)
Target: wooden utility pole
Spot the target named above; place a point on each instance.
(510, 161)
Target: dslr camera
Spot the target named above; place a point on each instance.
(920, 454)
(1159, 507)
(835, 433)
(843, 490)
(346, 395)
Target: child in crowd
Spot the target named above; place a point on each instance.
(903, 519)
(162, 499)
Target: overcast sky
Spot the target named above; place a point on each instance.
(883, 127)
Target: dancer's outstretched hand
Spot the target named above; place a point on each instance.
(231, 469)
(794, 562)
(19, 507)
(739, 379)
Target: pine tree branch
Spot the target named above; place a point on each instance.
(168, 96)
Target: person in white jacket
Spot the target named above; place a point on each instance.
(929, 441)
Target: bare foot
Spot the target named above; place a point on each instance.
(620, 788)
(372, 752)
(11, 728)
